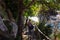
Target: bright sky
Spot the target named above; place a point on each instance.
(36, 19)
(58, 16)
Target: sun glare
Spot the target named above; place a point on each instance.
(35, 19)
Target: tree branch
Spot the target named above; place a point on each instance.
(4, 34)
(11, 19)
(9, 13)
(31, 3)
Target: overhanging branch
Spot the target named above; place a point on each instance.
(31, 3)
(12, 21)
(9, 13)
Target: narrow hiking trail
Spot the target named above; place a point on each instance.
(27, 35)
(32, 36)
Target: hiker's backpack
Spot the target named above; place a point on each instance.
(31, 27)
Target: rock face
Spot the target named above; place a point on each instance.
(2, 25)
(58, 16)
(56, 21)
(14, 29)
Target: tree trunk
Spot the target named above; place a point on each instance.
(20, 18)
(20, 23)
(21, 9)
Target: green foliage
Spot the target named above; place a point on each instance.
(26, 2)
(41, 27)
(45, 29)
(33, 10)
(58, 35)
(48, 30)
